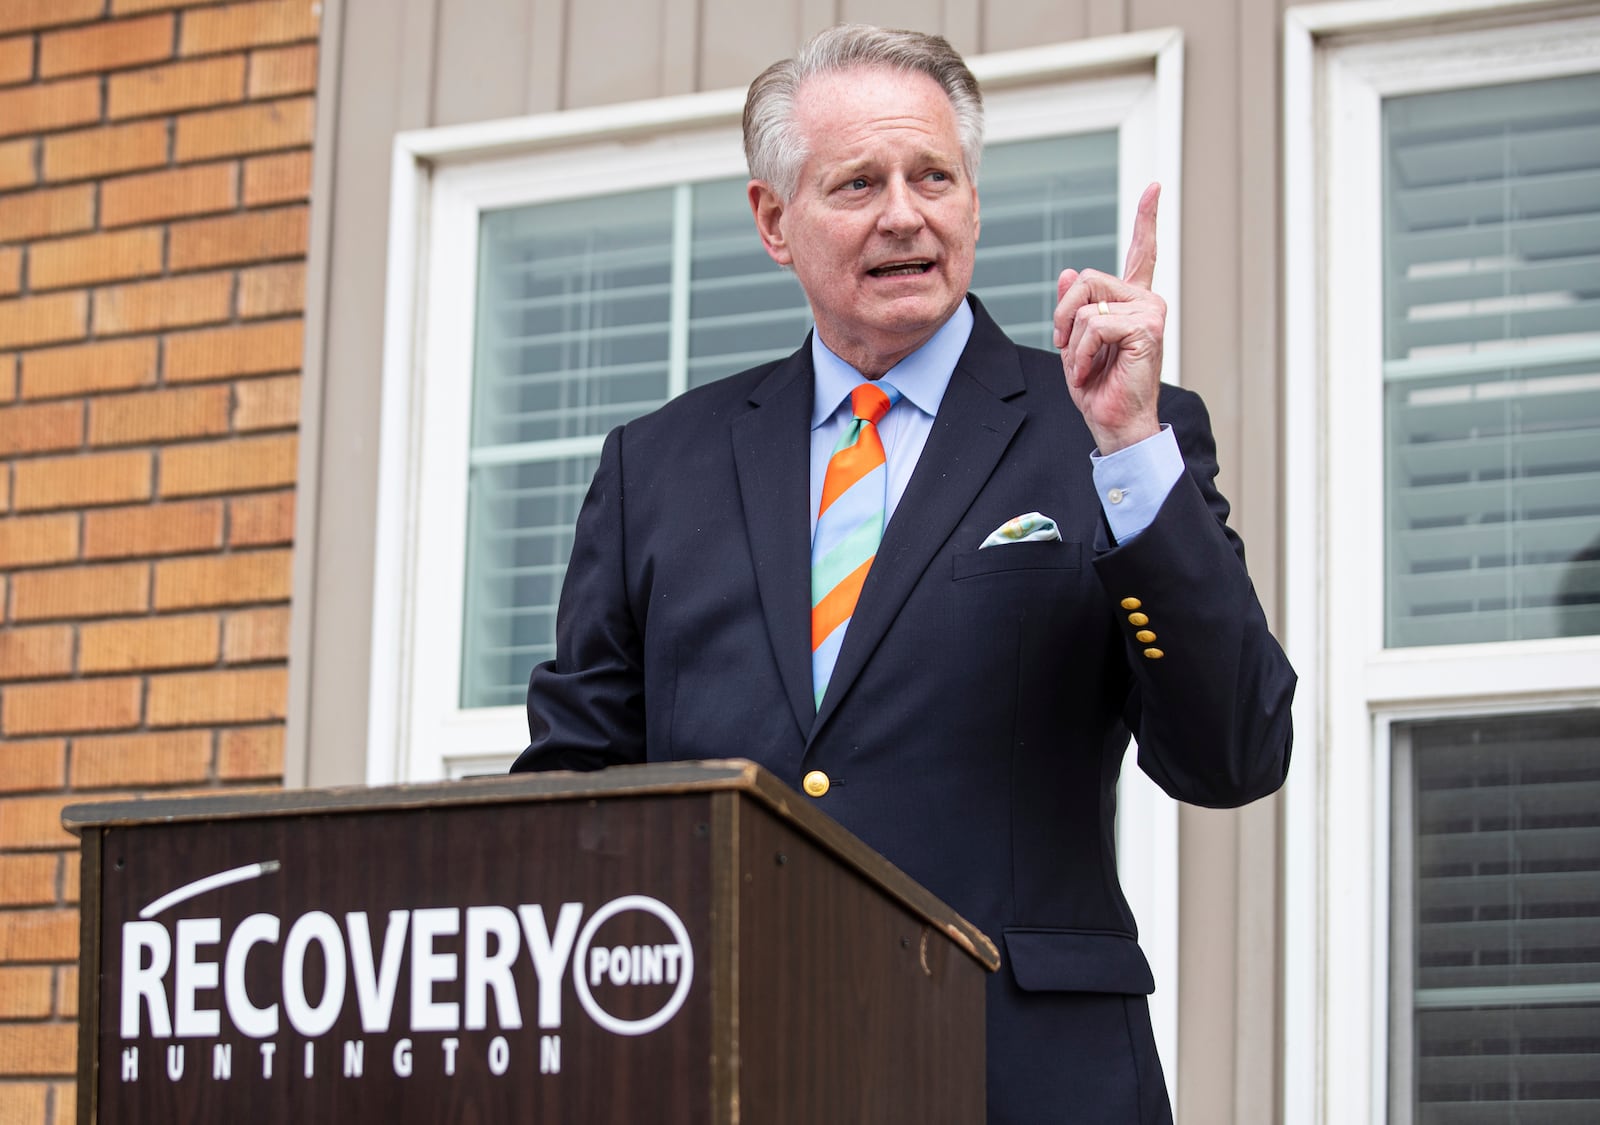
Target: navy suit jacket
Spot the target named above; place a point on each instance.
(982, 701)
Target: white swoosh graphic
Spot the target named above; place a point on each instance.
(209, 883)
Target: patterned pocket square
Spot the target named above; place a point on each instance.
(1030, 528)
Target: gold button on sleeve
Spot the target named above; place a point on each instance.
(1144, 636)
(1138, 619)
(815, 783)
(1153, 654)
(1131, 603)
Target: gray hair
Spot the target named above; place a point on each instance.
(773, 145)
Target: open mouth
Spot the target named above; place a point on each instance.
(902, 269)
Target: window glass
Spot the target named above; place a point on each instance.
(1498, 935)
(574, 313)
(519, 537)
(743, 309)
(1492, 363)
(1045, 205)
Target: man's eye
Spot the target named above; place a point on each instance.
(858, 184)
(940, 176)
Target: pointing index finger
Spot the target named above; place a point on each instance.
(1140, 267)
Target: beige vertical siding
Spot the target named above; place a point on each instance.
(405, 64)
(1028, 23)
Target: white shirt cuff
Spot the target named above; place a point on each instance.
(1132, 483)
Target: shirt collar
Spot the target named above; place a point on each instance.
(921, 376)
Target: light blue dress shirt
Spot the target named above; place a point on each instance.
(1131, 483)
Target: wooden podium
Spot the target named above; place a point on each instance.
(649, 945)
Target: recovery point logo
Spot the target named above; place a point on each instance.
(456, 960)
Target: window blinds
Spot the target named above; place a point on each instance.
(1503, 917)
(1492, 363)
(1046, 205)
(590, 313)
(594, 311)
(743, 309)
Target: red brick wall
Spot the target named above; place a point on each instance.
(154, 173)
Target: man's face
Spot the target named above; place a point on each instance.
(883, 224)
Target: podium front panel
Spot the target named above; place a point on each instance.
(542, 962)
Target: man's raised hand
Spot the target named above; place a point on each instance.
(1110, 333)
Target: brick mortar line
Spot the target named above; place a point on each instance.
(167, 273)
(172, 165)
(243, 49)
(191, 556)
(276, 430)
(97, 205)
(77, 636)
(25, 262)
(39, 29)
(242, 102)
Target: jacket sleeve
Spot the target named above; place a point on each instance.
(1211, 690)
(586, 707)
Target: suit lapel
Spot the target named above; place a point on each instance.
(772, 455)
(974, 426)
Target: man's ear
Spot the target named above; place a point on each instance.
(768, 211)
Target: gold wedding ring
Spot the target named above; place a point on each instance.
(1105, 309)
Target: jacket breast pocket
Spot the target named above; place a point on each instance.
(1077, 961)
(1019, 556)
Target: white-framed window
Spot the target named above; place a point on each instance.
(550, 277)
(1443, 847)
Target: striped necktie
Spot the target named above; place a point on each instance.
(849, 527)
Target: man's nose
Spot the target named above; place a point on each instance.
(900, 216)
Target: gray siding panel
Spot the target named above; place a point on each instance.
(546, 73)
(735, 48)
(481, 61)
(1029, 23)
(374, 80)
(963, 25)
(1109, 17)
(892, 13)
(614, 52)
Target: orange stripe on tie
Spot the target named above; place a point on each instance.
(837, 604)
(849, 465)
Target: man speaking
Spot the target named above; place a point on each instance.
(930, 578)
